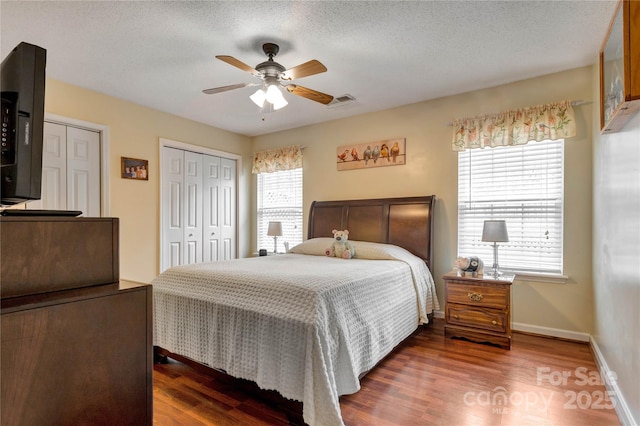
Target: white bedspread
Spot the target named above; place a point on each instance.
(306, 326)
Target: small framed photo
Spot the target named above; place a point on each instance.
(134, 168)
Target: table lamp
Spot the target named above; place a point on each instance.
(275, 231)
(495, 231)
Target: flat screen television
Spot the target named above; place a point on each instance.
(22, 85)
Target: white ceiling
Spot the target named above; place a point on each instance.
(385, 54)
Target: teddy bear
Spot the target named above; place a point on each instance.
(471, 264)
(341, 247)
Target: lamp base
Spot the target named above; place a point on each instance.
(495, 271)
(494, 274)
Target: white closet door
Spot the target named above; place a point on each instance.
(193, 207)
(54, 169)
(70, 170)
(211, 213)
(172, 210)
(198, 208)
(228, 213)
(83, 171)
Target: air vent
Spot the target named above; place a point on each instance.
(342, 101)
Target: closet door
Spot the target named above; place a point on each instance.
(193, 207)
(211, 214)
(83, 171)
(70, 170)
(219, 186)
(54, 169)
(228, 185)
(172, 207)
(198, 208)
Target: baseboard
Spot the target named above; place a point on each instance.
(438, 314)
(622, 408)
(552, 332)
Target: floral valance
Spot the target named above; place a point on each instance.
(516, 127)
(274, 160)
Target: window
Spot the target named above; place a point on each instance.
(522, 185)
(280, 199)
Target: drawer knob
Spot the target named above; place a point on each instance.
(494, 322)
(476, 297)
(455, 316)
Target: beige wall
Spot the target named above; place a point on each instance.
(616, 258)
(134, 131)
(432, 169)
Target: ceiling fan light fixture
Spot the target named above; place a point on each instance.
(258, 98)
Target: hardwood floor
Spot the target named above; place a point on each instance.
(428, 380)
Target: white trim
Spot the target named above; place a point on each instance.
(105, 204)
(552, 332)
(438, 314)
(200, 150)
(622, 408)
(540, 278)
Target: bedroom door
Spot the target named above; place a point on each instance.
(198, 207)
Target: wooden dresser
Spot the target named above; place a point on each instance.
(76, 342)
(478, 308)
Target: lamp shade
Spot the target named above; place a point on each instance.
(258, 98)
(275, 229)
(273, 94)
(280, 103)
(274, 97)
(495, 231)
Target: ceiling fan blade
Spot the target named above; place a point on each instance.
(237, 63)
(304, 70)
(305, 92)
(226, 88)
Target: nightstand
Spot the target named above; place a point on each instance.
(478, 308)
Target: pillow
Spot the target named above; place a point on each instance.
(313, 246)
(375, 251)
(364, 249)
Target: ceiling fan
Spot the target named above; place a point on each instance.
(274, 76)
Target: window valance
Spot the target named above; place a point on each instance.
(274, 160)
(516, 127)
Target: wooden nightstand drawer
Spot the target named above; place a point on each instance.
(489, 297)
(487, 319)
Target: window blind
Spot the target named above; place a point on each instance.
(280, 199)
(522, 185)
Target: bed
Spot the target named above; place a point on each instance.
(303, 324)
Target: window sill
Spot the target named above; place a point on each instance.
(541, 278)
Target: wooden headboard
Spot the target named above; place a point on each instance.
(406, 222)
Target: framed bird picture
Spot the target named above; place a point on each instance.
(390, 152)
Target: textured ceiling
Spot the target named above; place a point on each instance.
(385, 54)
